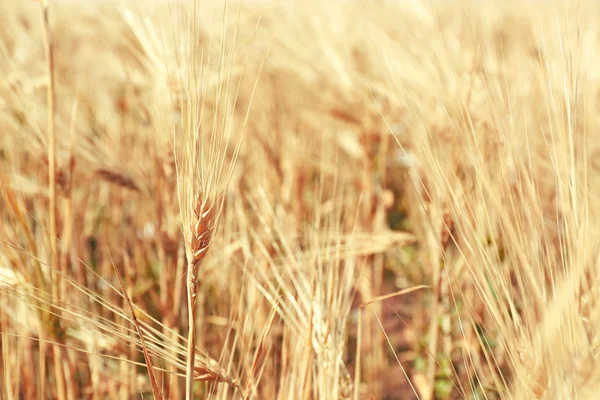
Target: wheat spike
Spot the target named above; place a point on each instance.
(201, 229)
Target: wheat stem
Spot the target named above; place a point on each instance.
(57, 354)
(191, 349)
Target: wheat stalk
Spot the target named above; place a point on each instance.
(53, 316)
(202, 226)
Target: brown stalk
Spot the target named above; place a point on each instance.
(53, 323)
(132, 375)
(51, 145)
(66, 238)
(358, 356)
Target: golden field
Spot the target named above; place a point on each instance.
(299, 200)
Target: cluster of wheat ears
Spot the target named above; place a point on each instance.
(264, 199)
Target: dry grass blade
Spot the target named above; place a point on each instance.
(155, 389)
(259, 352)
(398, 293)
(404, 372)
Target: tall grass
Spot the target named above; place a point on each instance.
(283, 200)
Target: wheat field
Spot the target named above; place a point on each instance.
(264, 199)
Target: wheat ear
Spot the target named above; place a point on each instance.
(202, 226)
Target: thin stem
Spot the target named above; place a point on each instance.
(51, 150)
(57, 354)
(59, 371)
(191, 350)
